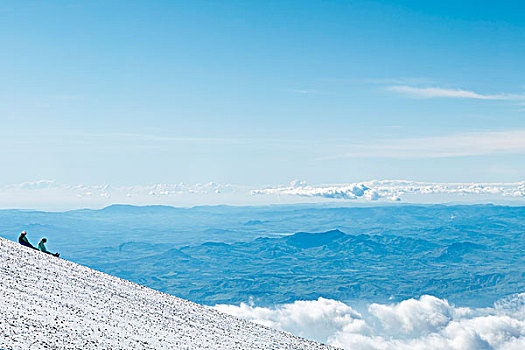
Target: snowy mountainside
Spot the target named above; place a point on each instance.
(47, 302)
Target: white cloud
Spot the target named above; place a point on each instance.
(49, 194)
(434, 92)
(424, 323)
(52, 195)
(350, 191)
(36, 185)
(314, 319)
(305, 91)
(425, 315)
(157, 190)
(455, 145)
(396, 189)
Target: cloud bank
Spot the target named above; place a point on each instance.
(86, 191)
(52, 195)
(395, 189)
(424, 323)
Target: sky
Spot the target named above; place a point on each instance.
(261, 93)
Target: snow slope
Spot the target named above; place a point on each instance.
(51, 303)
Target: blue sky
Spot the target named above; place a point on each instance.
(261, 92)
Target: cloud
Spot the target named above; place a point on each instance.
(350, 191)
(395, 189)
(52, 195)
(424, 323)
(305, 91)
(455, 145)
(425, 315)
(157, 190)
(37, 185)
(314, 319)
(434, 92)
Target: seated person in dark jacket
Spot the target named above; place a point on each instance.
(42, 247)
(22, 239)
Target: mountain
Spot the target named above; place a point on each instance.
(469, 254)
(47, 302)
(331, 264)
(310, 240)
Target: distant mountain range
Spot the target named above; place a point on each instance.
(331, 264)
(469, 254)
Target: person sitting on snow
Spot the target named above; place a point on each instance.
(22, 239)
(42, 247)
